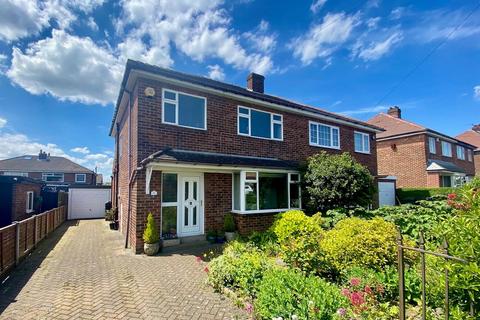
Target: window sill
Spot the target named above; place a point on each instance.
(182, 126)
(247, 212)
(363, 152)
(30, 211)
(262, 138)
(326, 147)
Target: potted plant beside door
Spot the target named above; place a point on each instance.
(151, 237)
(229, 226)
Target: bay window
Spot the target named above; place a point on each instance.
(259, 124)
(322, 135)
(184, 110)
(259, 191)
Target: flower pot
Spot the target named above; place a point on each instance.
(151, 249)
(211, 239)
(220, 239)
(230, 236)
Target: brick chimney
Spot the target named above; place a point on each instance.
(42, 155)
(255, 82)
(395, 112)
(476, 128)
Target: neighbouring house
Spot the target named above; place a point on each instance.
(473, 137)
(19, 198)
(418, 156)
(189, 149)
(54, 171)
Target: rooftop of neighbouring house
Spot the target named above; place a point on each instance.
(254, 90)
(471, 136)
(42, 162)
(395, 127)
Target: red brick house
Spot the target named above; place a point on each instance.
(17, 198)
(190, 149)
(473, 137)
(418, 156)
(54, 171)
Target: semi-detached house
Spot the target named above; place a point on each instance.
(190, 149)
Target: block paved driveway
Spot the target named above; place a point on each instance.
(82, 272)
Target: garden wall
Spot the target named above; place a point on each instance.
(19, 238)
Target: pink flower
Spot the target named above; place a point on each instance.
(249, 307)
(356, 298)
(368, 290)
(355, 282)
(198, 259)
(345, 292)
(206, 269)
(342, 312)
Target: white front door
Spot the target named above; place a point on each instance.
(191, 206)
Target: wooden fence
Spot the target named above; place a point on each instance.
(19, 238)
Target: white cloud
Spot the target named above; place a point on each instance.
(317, 5)
(199, 29)
(397, 13)
(374, 109)
(92, 24)
(67, 67)
(3, 122)
(376, 50)
(261, 39)
(323, 39)
(22, 18)
(83, 150)
(476, 92)
(215, 72)
(372, 23)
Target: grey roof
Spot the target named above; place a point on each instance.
(18, 179)
(219, 159)
(444, 166)
(225, 87)
(29, 163)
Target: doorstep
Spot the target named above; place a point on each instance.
(200, 239)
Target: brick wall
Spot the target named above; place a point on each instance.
(476, 159)
(19, 199)
(467, 166)
(248, 223)
(218, 199)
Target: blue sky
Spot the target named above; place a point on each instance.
(61, 61)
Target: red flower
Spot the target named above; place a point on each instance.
(345, 292)
(452, 196)
(206, 269)
(368, 290)
(355, 282)
(356, 299)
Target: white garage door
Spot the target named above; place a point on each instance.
(87, 203)
(386, 194)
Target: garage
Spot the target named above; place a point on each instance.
(386, 191)
(87, 203)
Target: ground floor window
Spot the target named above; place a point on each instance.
(258, 191)
(169, 205)
(454, 181)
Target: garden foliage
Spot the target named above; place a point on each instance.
(151, 235)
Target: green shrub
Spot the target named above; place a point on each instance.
(333, 216)
(286, 293)
(334, 181)
(239, 268)
(299, 238)
(354, 242)
(229, 223)
(412, 195)
(265, 241)
(151, 235)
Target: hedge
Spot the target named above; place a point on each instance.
(411, 195)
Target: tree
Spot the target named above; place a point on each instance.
(337, 181)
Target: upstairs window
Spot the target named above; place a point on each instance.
(15, 173)
(52, 177)
(432, 145)
(362, 142)
(80, 178)
(184, 110)
(322, 135)
(470, 156)
(259, 124)
(29, 205)
(460, 152)
(446, 149)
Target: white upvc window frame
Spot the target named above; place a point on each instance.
(460, 152)
(364, 136)
(470, 155)
(15, 173)
(432, 145)
(176, 102)
(244, 180)
(248, 116)
(29, 204)
(317, 144)
(444, 144)
(51, 174)
(81, 174)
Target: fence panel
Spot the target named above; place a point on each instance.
(19, 238)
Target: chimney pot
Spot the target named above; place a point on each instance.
(395, 112)
(255, 82)
(476, 128)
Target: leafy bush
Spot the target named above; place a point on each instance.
(265, 241)
(229, 223)
(411, 219)
(354, 242)
(239, 268)
(334, 181)
(333, 216)
(286, 293)
(412, 195)
(299, 238)
(151, 235)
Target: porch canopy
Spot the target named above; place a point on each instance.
(211, 160)
(443, 166)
